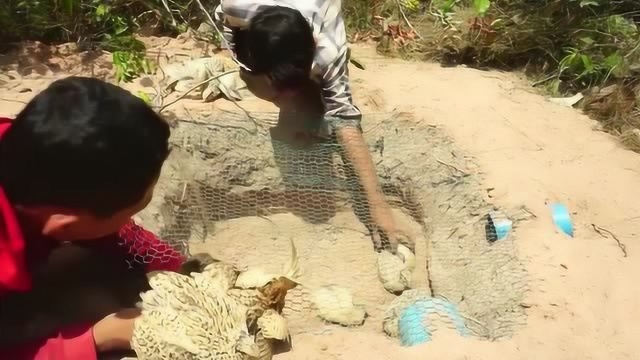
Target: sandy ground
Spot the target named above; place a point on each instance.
(584, 299)
(585, 302)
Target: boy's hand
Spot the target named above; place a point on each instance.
(115, 331)
(383, 220)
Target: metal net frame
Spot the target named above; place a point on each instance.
(241, 191)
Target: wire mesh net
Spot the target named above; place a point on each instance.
(243, 192)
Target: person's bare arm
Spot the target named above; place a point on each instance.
(359, 156)
(345, 117)
(115, 331)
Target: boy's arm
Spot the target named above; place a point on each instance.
(71, 344)
(112, 333)
(346, 118)
(357, 152)
(149, 249)
(340, 111)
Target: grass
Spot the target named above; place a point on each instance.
(565, 46)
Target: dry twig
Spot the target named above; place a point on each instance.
(406, 20)
(603, 232)
(195, 87)
(450, 166)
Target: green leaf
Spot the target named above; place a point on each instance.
(101, 11)
(615, 64)
(618, 24)
(587, 63)
(613, 60)
(568, 61)
(147, 67)
(554, 87)
(119, 30)
(68, 6)
(144, 96)
(447, 6)
(481, 6)
(587, 40)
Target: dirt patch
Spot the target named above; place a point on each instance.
(218, 149)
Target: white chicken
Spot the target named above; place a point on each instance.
(257, 277)
(395, 271)
(191, 318)
(335, 304)
(203, 316)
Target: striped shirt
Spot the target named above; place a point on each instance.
(331, 59)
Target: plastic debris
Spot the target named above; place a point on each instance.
(414, 327)
(562, 218)
(569, 101)
(498, 226)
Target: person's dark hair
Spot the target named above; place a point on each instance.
(278, 43)
(83, 144)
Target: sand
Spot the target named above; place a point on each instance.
(583, 302)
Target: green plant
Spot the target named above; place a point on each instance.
(481, 6)
(108, 25)
(443, 11)
(144, 96)
(359, 14)
(567, 46)
(130, 64)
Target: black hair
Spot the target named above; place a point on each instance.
(278, 43)
(83, 144)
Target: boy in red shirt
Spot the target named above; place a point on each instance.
(75, 165)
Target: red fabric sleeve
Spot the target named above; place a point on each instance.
(71, 344)
(13, 274)
(149, 249)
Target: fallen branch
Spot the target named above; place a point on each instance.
(195, 87)
(203, 123)
(601, 231)
(526, 209)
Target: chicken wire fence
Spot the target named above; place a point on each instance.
(243, 192)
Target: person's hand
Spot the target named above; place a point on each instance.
(396, 232)
(114, 332)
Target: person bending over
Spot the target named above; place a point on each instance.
(286, 50)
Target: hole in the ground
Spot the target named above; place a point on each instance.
(241, 196)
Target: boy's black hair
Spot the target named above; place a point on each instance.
(83, 144)
(278, 43)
